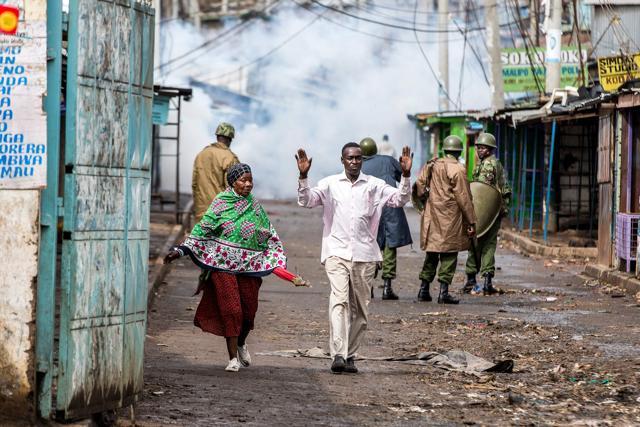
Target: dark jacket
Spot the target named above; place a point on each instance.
(394, 229)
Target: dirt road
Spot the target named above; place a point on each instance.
(575, 346)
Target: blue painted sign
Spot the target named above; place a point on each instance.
(160, 111)
(23, 123)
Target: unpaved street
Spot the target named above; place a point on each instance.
(575, 346)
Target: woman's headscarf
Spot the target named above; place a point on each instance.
(236, 171)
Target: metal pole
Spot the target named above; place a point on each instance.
(533, 179)
(580, 178)
(157, 5)
(520, 178)
(593, 183)
(443, 53)
(554, 43)
(493, 46)
(549, 175)
(50, 211)
(178, 162)
(513, 173)
(629, 161)
(523, 183)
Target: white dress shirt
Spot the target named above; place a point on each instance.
(351, 213)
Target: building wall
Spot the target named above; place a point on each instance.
(19, 232)
(620, 37)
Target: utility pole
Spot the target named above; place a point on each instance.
(493, 45)
(157, 5)
(194, 13)
(534, 12)
(443, 54)
(554, 43)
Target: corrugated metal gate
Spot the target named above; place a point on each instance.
(102, 292)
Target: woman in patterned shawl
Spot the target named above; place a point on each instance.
(235, 245)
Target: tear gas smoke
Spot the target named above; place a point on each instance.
(320, 89)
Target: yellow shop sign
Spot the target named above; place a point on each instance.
(614, 71)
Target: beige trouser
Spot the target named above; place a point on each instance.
(348, 303)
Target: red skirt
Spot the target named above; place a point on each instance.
(227, 302)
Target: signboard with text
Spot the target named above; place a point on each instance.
(23, 81)
(519, 75)
(614, 71)
(160, 112)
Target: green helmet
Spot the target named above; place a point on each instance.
(452, 143)
(487, 140)
(369, 147)
(226, 129)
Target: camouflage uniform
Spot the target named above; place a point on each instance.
(489, 171)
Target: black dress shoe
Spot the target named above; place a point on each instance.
(338, 365)
(350, 367)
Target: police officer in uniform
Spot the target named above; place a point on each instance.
(393, 231)
(489, 170)
(448, 219)
(210, 169)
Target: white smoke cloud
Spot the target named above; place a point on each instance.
(325, 87)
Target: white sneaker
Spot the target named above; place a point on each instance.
(244, 356)
(233, 366)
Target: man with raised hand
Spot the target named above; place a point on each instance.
(352, 204)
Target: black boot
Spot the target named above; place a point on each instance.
(387, 291)
(487, 288)
(372, 292)
(423, 294)
(444, 297)
(470, 284)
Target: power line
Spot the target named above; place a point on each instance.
(339, 24)
(378, 6)
(464, 54)
(202, 46)
(387, 38)
(475, 54)
(268, 53)
(520, 28)
(385, 24)
(374, 12)
(608, 9)
(239, 26)
(426, 58)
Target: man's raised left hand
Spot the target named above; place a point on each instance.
(406, 160)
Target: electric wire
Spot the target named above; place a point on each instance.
(526, 46)
(426, 58)
(355, 30)
(268, 53)
(238, 27)
(577, 28)
(428, 12)
(464, 54)
(475, 54)
(385, 24)
(623, 29)
(321, 16)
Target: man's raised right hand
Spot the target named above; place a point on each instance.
(304, 163)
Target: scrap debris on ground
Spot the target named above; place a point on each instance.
(574, 343)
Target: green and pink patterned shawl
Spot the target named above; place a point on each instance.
(235, 236)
